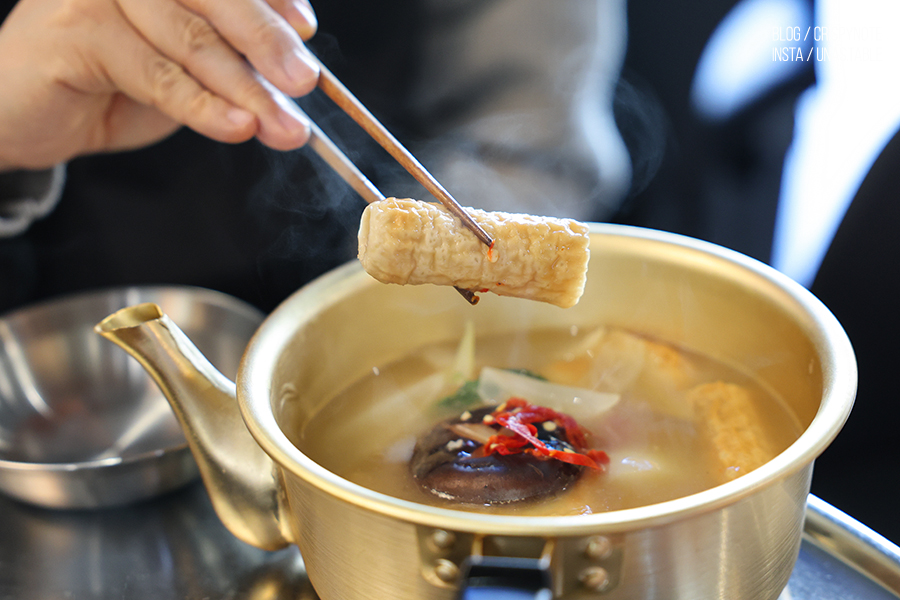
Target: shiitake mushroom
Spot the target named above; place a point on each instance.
(443, 464)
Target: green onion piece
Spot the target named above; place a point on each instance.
(462, 398)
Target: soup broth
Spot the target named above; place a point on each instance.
(672, 422)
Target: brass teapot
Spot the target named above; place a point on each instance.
(737, 540)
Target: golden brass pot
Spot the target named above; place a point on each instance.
(737, 540)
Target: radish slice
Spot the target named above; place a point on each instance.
(496, 386)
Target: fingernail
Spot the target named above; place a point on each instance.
(308, 15)
(301, 70)
(293, 122)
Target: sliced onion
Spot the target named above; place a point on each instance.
(496, 386)
(477, 432)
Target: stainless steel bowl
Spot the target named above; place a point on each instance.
(81, 424)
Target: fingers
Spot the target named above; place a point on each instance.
(299, 14)
(130, 124)
(262, 34)
(192, 74)
(113, 74)
(139, 71)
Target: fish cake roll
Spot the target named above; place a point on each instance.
(733, 425)
(409, 242)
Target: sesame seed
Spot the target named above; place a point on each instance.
(454, 445)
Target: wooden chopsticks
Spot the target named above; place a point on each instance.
(343, 166)
(347, 102)
(349, 172)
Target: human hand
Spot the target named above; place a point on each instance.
(87, 76)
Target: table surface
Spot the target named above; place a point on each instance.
(174, 547)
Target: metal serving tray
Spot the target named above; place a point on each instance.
(174, 547)
(842, 559)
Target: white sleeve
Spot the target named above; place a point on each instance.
(26, 196)
(516, 98)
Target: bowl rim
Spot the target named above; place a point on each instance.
(831, 342)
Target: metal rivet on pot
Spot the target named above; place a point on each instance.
(595, 579)
(442, 540)
(446, 570)
(598, 547)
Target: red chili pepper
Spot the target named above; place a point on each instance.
(518, 416)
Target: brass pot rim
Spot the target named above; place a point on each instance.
(839, 387)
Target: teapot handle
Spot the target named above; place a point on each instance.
(504, 578)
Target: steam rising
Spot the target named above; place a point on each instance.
(520, 124)
(313, 213)
(644, 127)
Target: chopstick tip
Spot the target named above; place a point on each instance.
(469, 295)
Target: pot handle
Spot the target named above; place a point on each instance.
(504, 578)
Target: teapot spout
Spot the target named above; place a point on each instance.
(244, 484)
